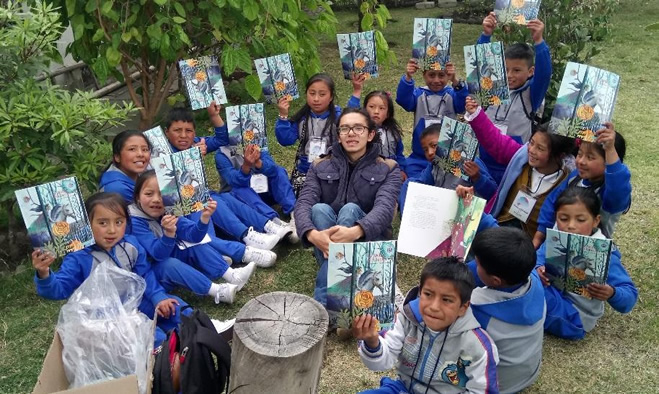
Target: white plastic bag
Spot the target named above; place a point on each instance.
(103, 335)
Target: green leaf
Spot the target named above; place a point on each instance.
(178, 19)
(367, 22)
(160, 2)
(70, 7)
(89, 7)
(98, 36)
(126, 36)
(106, 7)
(250, 10)
(113, 56)
(363, 8)
(179, 9)
(253, 86)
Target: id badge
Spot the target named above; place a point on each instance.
(259, 183)
(184, 244)
(522, 206)
(317, 147)
(503, 128)
(432, 121)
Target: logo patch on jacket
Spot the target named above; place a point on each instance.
(454, 373)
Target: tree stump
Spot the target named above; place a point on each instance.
(278, 345)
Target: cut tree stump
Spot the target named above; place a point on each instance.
(278, 345)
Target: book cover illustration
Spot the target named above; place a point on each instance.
(573, 261)
(486, 73)
(159, 143)
(431, 42)
(516, 11)
(361, 278)
(585, 101)
(182, 181)
(246, 125)
(357, 53)
(203, 81)
(277, 78)
(462, 229)
(55, 217)
(457, 144)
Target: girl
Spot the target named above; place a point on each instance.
(598, 163)
(314, 125)
(533, 170)
(108, 215)
(570, 315)
(131, 152)
(194, 243)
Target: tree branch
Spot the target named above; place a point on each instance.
(131, 89)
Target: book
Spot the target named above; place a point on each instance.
(437, 223)
(516, 11)
(573, 261)
(486, 73)
(357, 53)
(55, 217)
(182, 181)
(431, 42)
(585, 101)
(159, 143)
(246, 125)
(277, 77)
(203, 81)
(361, 278)
(457, 144)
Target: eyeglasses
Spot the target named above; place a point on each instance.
(358, 129)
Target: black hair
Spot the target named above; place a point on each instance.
(559, 146)
(435, 128)
(369, 122)
(389, 123)
(112, 201)
(179, 114)
(584, 195)
(521, 51)
(306, 110)
(119, 141)
(450, 269)
(505, 252)
(139, 184)
(619, 144)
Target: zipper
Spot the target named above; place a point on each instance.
(183, 354)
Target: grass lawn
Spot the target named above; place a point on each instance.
(618, 356)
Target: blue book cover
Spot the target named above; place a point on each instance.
(203, 81)
(55, 217)
(516, 11)
(431, 42)
(357, 53)
(159, 143)
(277, 77)
(486, 73)
(457, 144)
(246, 125)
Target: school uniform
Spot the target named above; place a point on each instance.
(427, 106)
(113, 180)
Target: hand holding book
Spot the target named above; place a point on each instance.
(365, 328)
(600, 292)
(41, 261)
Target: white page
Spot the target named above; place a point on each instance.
(427, 216)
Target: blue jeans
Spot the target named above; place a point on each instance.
(324, 217)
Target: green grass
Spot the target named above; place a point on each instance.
(618, 356)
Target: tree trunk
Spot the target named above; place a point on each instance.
(278, 345)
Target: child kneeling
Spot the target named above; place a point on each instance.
(437, 344)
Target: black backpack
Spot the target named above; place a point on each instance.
(194, 344)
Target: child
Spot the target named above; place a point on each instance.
(108, 215)
(533, 170)
(528, 82)
(429, 103)
(509, 303)
(436, 344)
(131, 152)
(233, 216)
(598, 163)
(314, 125)
(570, 315)
(435, 175)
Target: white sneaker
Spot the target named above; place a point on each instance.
(240, 276)
(226, 293)
(260, 240)
(280, 230)
(262, 258)
(225, 328)
(292, 235)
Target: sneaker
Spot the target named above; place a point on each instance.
(262, 258)
(240, 276)
(226, 293)
(280, 230)
(292, 236)
(224, 328)
(260, 240)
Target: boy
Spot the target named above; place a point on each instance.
(429, 103)
(509, 303)
(528, 83)
(435, 175)
(436, 344)
(232, 216)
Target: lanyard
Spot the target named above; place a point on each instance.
(508, 107)
(530, 180)
(439, 108)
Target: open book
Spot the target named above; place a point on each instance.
(431, 42)
(486, 73)
(437, 223)
(457, 144)
(277, 77)
(203, 81)
(182, 181)
(357, 53)
(361, 278)
(55, 217)
(246, 125)
(159, 143)
(573, 261)
(585, 101)
(516, 11)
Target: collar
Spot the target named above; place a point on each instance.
(324, 115)
(523, 87)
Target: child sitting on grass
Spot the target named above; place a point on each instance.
(437, 344)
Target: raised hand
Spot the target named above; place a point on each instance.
(365, 327)
(284, 105)
(168, 223)
(537, 27)
(209, 209)
(410, 69)
(489, 24)
(41, 261)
